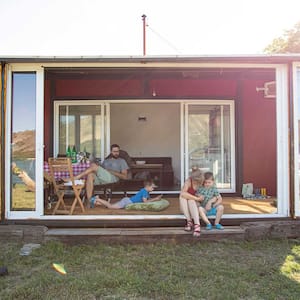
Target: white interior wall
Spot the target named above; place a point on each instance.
(158, 135)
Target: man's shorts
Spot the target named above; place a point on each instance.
(212, 212)
(103, 177)
(123, 202)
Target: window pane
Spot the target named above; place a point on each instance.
(23, 141)
(210, 141)
(66, 129)
(80, 125)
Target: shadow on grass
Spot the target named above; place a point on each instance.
(244, 270)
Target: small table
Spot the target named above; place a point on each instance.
(148, 167)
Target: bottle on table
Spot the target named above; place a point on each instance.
(74, 155)
(69, 152)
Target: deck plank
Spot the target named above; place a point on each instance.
(153, 234)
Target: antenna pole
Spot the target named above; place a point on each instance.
(144, 34)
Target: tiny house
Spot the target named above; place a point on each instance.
(237, 116)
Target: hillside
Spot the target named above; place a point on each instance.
(23, 144)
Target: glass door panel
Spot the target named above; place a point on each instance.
(23, 142)
(210, 141)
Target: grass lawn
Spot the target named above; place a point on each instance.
(22, 198)
(231, 270)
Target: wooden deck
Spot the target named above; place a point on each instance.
(233, 205)
(250, 231)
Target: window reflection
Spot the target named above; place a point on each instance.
(23, 133)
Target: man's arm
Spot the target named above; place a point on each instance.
(123, 167)
(122, 175)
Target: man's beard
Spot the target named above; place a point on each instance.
(115, 156)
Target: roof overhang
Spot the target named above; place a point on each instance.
(265, 59)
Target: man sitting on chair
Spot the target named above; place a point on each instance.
(112, 170)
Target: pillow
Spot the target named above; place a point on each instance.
(149, 206)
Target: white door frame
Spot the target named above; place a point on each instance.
(296, 95)
(282, 139)
(39, 147)
(282, 127)
(105, 111)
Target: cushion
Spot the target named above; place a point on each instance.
(149, 206)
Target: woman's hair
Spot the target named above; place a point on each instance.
(209, 176)
(197, 175)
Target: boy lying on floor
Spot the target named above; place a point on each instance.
(141, 196)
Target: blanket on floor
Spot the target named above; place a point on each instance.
(149, 206)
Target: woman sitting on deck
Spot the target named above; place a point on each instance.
(188, 201)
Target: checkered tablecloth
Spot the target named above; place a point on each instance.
(77, 168)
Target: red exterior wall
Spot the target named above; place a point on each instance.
(98, 88)
(256, 114)
(176, 88)
(259, 136)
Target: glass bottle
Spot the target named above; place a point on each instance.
(68, 153)
(74, 155)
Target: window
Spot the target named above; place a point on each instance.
(79, 126)
(211, 141)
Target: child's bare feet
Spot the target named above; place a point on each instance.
(102, 202)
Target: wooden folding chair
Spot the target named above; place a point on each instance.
(63, 164)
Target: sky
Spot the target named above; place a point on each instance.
(114, 27)
(24, 100)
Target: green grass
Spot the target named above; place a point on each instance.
(22, 198)
(244, 270)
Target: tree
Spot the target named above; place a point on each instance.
(288, 43)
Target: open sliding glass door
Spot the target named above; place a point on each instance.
(24, 143)
(209, 140)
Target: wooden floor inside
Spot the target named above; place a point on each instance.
(232, 205)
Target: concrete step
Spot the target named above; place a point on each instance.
(140, 235)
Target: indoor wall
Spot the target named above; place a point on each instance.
(148, 129)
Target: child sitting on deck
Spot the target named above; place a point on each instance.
(141, 196)
(211, 204)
